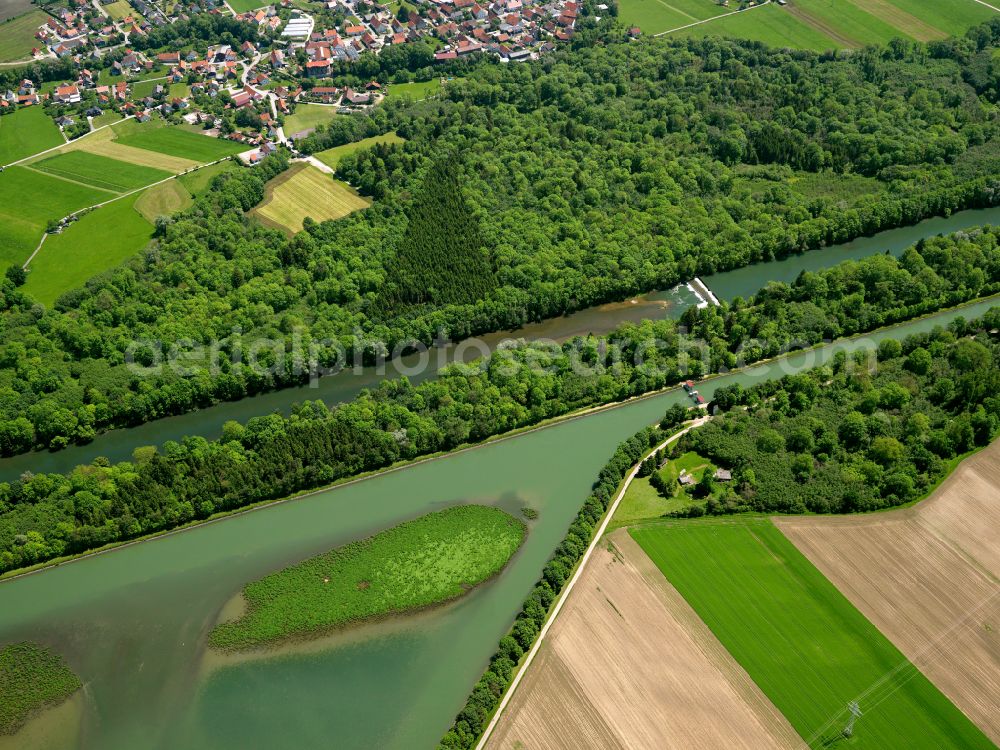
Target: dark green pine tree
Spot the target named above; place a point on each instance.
(442, 258)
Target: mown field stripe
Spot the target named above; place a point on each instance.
(807, 647)
(57, 176)
(900, 19)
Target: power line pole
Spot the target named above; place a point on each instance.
(855, 710)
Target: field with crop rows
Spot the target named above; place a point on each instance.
(800, 639)
(303, 191)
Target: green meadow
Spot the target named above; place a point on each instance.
(25, 132)
(101, 239)
(800, 639)
(416, 90)
(331, 157)
(308, 116)
(100, 171)
(426, 561)
(821, 24)
(32, 677)
(28, 201)
(656, 16)
(197, 182)
(174, 141)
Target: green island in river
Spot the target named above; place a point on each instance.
(429, 560)
(32, 678)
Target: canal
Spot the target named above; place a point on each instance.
(133, 622)
(118, 445)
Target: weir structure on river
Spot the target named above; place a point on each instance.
(133, 622)
(118, 445)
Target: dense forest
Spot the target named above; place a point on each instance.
(431, 266)
(846, 438)
(590, 175)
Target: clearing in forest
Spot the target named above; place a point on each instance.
(927, 577)
(628, 664)
(806, 646)
(303, 191)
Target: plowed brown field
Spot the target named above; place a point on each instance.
(929, 578)
(628, 664)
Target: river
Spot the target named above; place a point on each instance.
(133, 622)
(118, 445)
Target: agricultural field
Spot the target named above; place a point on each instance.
(308, 116)
(32, 678)
(806, 646)
(429, 560)
(17, 35)
(14, 8)
(927, 577)
(121, 9)
(331, 157)
(100, 171)
(26, 132)
(657, 16)
(163, 200)
(628, 664)
(101, 239)
(828, 24)
(174, 141)
(110, 117)
(28, 201)
(103, 142)
(305, 191)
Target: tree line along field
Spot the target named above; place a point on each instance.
(332, 156)
(812, 24)
(800, 639)
(305, 192)
(429, 560)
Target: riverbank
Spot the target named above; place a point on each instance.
(118, 444)
(761, 369)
